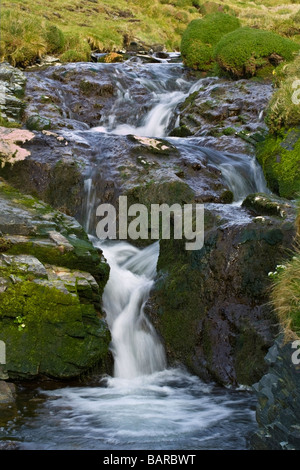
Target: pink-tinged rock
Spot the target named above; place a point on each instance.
(10, 141)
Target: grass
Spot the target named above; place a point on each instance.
(286, 295)
(32, 29)
(284, 108)
(110, 25)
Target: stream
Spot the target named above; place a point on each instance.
(145, 404)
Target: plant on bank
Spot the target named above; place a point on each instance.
(279, 155)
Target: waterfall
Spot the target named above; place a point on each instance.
(136, 347)
(167, 93)
(90, 196)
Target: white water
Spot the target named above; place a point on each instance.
(145, 405)
(136, 347)
(156, 122)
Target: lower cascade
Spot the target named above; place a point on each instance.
(135, 345)
(145, 405)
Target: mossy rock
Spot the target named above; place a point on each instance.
(279, 156)
(51, 283)
(182, 131)
(211, 305)
(48, 332)
(38, 123)
(200, 37)
(245, 52)
(264, 204)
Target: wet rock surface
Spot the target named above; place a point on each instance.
(59, 163)
(211, 305)
(227, 115)
(7, 393)
(278, 413)
(12, 88)
(51, 283)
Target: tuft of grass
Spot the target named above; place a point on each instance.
(21, 40)
(286, 295)
(55, 39)
(284, 107)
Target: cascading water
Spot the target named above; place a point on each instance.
(135, 345)
(145, 405)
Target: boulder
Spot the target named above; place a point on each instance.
(12, 88)
(211, 305)
(278, 394)
(228, 116)
(52, 280)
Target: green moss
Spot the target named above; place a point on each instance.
(262, 204)
(10, 124)
(227, 197)
(229, 131)
(249, 350)
(179, 291)
(200, 37)
(279, 157)
(61, 338)
(244, 52)
(181, 131)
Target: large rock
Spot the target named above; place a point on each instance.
(226, 115)
(51, 283)
(211, 305)
(59, 165)
(278, 393)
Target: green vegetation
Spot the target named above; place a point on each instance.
(73, 29)
(279, 157)
(30, 30)
(42, 325)
(202, 35)
(284, 110)
(286, 294)
(244, 52)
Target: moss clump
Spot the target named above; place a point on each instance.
(242, 53)
(263, 204)
(200, 37)
(279, 156)
(181, 131)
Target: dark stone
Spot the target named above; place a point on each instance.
(211, 305)
(278, 394)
